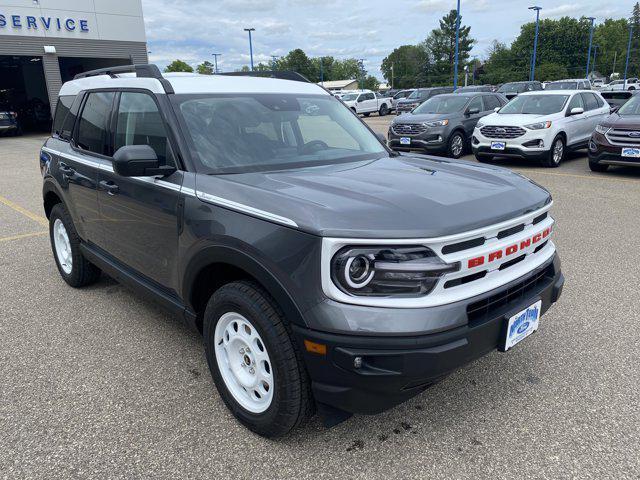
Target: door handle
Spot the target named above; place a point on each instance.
(66, 169)
(109, 186)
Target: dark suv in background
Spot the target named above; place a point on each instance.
(513, 89)
(9, 121)
(419, 96)
(443, 124)
(616, 140)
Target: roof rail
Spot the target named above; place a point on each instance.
(141, 70)
(279, 74)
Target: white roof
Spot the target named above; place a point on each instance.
(337, 83)
(194, 83)
(555, 92)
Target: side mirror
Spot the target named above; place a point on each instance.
(139, 161)
(614, 108)
(473, 111)
(576, 111)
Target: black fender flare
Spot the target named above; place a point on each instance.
(222, 254)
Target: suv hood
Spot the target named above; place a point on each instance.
(516, 120)
(392, 197)
(625, 122)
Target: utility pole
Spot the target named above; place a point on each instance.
(215, 62)
(592, 19)
(455, 60)
(321, 73)
(392, 76)
(595, 55)
(626, 64)
(250, 45)
(361, 73)
(274, 59)
(615, 57)
(466, 75)
(532, 70)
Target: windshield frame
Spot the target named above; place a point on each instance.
(199, 167)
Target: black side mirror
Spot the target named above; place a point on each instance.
(473, 111)
(139, 161)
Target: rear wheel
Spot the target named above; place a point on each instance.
(65, 244)
(253, 361)
(556, 154)
(384, 110)
(455, 148)
(597, 167)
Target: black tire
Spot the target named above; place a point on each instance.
(354, 111)
(366, 114)
(292, 403)
(82, 271)
(484, 158)
(455, 149)
(597, 167)
(384, 110)
(550, 160)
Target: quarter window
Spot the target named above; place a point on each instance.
(140, 123)
(62, 110)
(92, 128)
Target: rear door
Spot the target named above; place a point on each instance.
(593, 113)
(140, 214)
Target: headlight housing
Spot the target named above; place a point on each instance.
(479, 124)
(383, 271)
(538, 125)
(602, 129)
(439, 123)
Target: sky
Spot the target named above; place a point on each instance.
(192, 30)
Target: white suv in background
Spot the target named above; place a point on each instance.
(540, 126)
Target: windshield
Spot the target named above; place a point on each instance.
(349, 96)
(257, 132)
(562, 86)
(512, 88)
(535, 105)
(418, 94)
(442, 104)
(631, 107)
(398, 95)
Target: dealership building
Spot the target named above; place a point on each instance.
(44, 43)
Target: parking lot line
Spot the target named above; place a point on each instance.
(575, 175)
(24, 235)
(33, 216)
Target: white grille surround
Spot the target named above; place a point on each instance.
(493, 279)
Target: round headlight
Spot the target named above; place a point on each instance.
(358, 271)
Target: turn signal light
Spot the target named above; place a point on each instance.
(314, 347)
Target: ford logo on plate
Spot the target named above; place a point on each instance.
(523, 328)
(634, 134)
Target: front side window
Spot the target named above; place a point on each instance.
(491, 102)
(92, 128)
(476, 103)
(140, 123)
(535, 104)
(576, 102)
(258, 132)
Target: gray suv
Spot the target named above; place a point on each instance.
(443, 124)
(325, 272)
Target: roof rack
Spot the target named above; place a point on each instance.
(279, 74)
(141, 70)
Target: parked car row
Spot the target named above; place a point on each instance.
(535, 125)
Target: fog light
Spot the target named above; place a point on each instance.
(357, 362)
(540, 143)
(440, 138)
(592, 146)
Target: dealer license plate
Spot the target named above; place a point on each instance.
(498, 145)
(631, 152)
(522, 324)
(405, 141)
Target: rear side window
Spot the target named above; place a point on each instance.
(600, 101)
(140, 123)
(590, 102)
(62, 110)
(93, 125)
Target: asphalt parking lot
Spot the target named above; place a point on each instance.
(99, 383)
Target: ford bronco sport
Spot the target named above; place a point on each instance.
(324, 270)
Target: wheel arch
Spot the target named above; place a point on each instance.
(215, 266)
(50, 196)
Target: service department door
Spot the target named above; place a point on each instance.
(139, 214)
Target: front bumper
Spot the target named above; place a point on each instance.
(520, 147)
(601, 151)
(433, 140)
(395, 368)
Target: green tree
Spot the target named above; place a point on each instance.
(178, 66)
(634, 57)
(440, 46)
(499, 65)
(371, 83)
(405, 67)
(611, 37)
(205, 68)
(551, 71)
(297, 61)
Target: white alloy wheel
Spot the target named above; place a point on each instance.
(63, 246)
(558, 150)
(243, 362)
(457, 145)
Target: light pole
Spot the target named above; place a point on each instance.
(250, 45)
(626, 63)
(361, 72)
(321, 73)
(595, 55)
(215, 61)
(392, 76)
(455, 55)
(274, 59)
(590, 42)
(532, 71)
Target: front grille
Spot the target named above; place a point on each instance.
(408, 128)
(405, 107)
(491, 131)
(484, 309)
(624, 137)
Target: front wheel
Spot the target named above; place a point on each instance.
(455, 148)
(556, 154)
(256, 367)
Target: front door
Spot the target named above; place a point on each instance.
(470, 120)
(140, 214)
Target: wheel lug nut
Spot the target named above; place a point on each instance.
(241, 351)
(252, 370)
